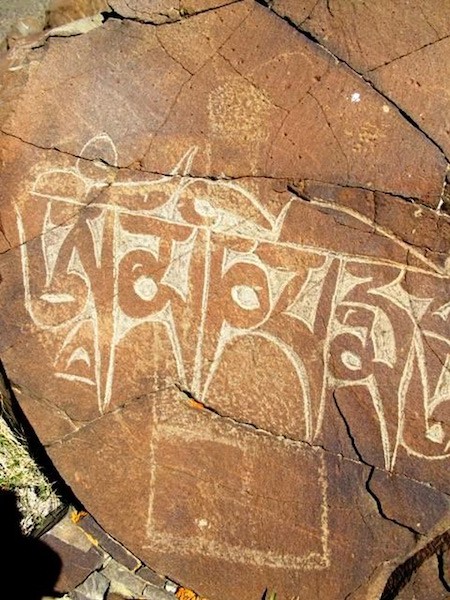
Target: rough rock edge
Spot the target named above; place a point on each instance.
(384, 580)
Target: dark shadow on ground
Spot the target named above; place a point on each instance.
(29, 568)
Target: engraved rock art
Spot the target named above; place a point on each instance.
(224, 280)
(252, 283)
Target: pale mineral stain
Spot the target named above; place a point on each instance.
(238, 111)
(436, 433)
(202, 523)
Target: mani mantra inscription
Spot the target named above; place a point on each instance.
(216, 273)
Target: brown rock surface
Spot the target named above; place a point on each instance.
(224, 282)
(370, 34)
(402, 48)
(419, 83)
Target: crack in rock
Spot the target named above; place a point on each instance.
(389, 62)
(333, 133)
(193, 402)
(3, 233)
(398, 195)
(376, 229)
(116, 411)
(417, 535)
(403, 573)
(339, 59)
(441, 569)
(158, 19)
(72, 217)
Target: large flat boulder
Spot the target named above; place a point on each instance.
(224, 282)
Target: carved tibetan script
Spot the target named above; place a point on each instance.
(219, 277)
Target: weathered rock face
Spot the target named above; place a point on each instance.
(401, 49)
(225, 300)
